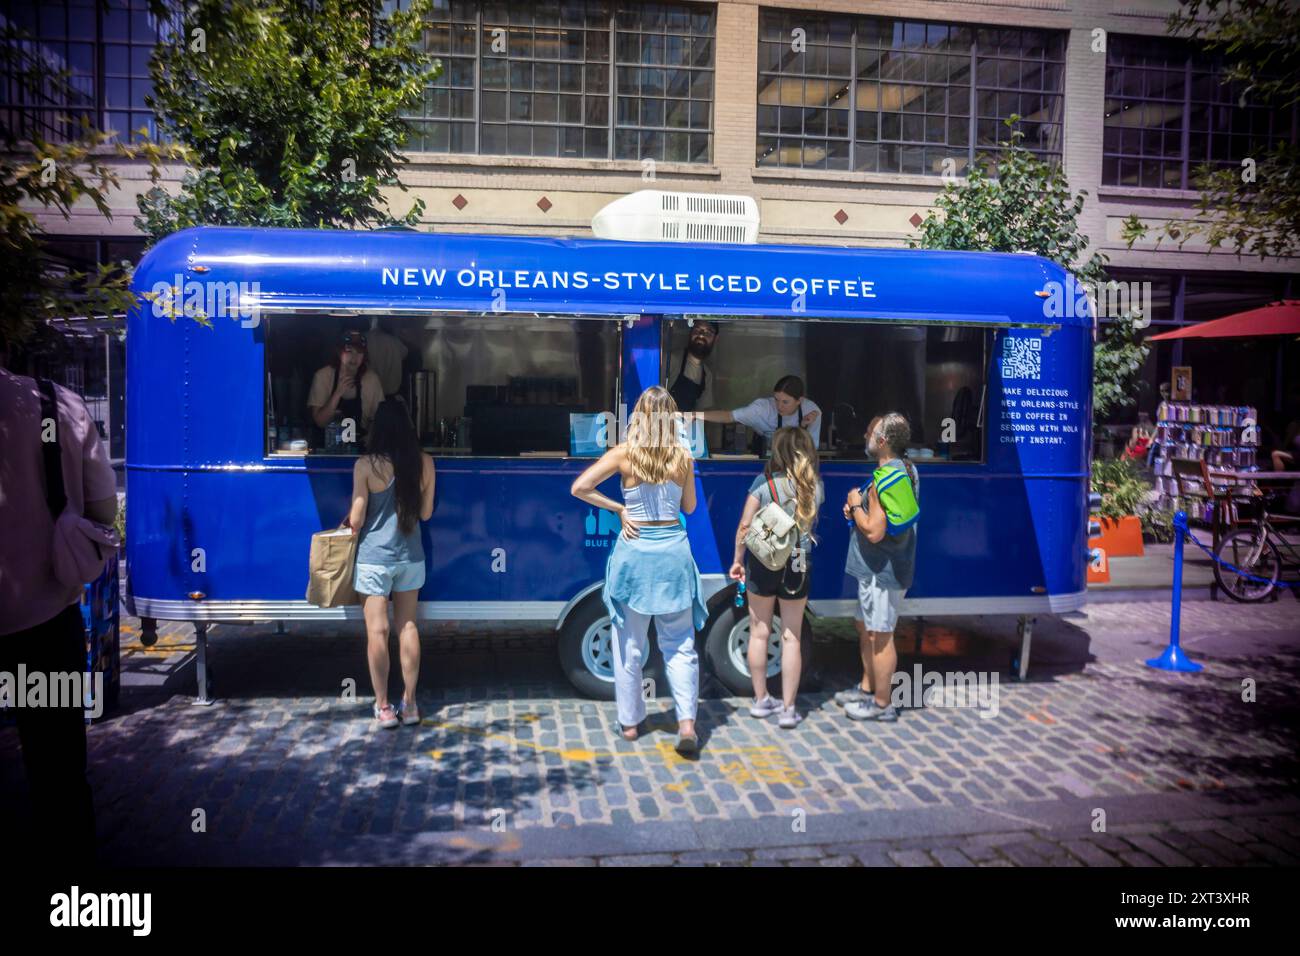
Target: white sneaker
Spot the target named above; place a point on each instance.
(789, 718)
(871, 711)
(766, 707)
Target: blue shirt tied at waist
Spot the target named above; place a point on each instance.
(654, 573)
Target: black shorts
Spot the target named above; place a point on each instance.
(786, 583)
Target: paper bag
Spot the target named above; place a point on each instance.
(333, 554)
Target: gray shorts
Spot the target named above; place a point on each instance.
(383, 579)
(878, 607)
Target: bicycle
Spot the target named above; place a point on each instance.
(1249, 562)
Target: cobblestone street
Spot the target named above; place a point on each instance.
(509, 766)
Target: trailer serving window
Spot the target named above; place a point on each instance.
(933, 374)
(476, 385)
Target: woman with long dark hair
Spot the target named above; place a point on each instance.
(392, 492)
(346, 388)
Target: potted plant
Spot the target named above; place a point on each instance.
(1123, 492)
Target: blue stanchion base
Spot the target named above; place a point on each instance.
(1173, 659)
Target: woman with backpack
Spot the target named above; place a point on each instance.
(790, 481)
(881, 556)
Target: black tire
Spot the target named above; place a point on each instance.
(1236, 549)
(148, 631)
(590, 669)
(726, 626)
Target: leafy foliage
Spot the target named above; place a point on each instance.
(1124, 491)
(290, 111)
(1120, 485)
(1029, 207)
(1158, 523)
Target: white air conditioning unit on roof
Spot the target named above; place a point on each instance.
(652, 215)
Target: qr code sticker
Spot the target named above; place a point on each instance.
(1022, 358)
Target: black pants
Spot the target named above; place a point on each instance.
(53, 741)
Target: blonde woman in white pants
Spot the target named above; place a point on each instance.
(651, 573)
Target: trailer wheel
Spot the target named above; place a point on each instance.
(727, 643)
(586, 652)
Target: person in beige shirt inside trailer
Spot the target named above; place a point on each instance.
(347, 387)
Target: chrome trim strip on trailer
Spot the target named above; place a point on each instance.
(284, 462)
(939, 607)
(556, 611)
(231, 611)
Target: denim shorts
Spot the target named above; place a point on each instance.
(383, 579)
(878, 607)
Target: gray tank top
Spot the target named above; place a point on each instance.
(382, 541)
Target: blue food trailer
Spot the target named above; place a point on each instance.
(509, 344)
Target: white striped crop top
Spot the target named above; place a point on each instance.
(653, 502)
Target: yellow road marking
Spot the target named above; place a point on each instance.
(770, 763)
(158, 649)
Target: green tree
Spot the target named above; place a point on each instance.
(290, 111)
(1029, 207)
(1253, 206)
(39, 176)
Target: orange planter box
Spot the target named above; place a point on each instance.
(1122, 537)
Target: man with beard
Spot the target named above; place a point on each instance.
(694, 380)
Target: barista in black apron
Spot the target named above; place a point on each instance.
(685, 390)
(765, 417)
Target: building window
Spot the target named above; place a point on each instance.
(897, 96)
(1168, 111)
(583, 78)
(104, 50)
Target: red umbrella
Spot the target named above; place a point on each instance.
(1276, 318)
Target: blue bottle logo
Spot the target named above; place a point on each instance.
(601, 527)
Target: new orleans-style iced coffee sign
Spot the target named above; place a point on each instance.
(403, 271)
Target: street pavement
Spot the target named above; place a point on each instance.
(1095, 760)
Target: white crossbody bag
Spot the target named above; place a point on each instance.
(773, 534)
